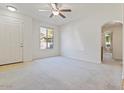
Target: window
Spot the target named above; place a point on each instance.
(46, 38)
(108, 39)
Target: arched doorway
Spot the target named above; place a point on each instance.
(111, 49)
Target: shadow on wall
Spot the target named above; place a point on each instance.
(77, 38)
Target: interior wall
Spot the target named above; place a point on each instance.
(123, 45)
(117, 44)
(39, 53)
(81, 39)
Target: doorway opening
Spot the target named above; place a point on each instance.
(111, 49)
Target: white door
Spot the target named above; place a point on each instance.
(10, 41)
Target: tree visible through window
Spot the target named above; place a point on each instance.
(46, 38)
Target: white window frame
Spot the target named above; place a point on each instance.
(47, 37)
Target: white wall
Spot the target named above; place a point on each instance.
(123, 44)
(81, 39)
(117, 44)
(37, 52)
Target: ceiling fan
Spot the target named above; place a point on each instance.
(56, 10)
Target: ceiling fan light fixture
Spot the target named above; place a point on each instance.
(55, 12)
(11, 8)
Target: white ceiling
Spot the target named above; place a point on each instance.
(78, 10)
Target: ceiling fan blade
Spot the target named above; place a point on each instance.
(65, 10)
(54, 6)
(40, 10)
(51, 15)
(62, 15)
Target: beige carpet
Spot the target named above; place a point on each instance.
(60, 73)
(107, 59)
